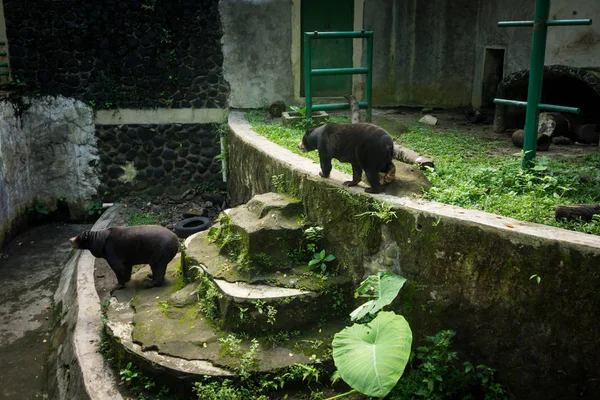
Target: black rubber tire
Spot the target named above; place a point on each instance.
(188, 226)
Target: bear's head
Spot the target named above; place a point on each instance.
(81, 241)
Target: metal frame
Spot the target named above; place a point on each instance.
(536, 76)
(309, 72)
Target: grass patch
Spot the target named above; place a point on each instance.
(476, 173)
(140, 218)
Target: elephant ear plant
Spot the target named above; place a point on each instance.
(371, 356)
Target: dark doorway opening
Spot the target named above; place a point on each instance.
(493, 72)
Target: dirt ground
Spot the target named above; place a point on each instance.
(464, 120)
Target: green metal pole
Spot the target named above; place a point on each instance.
(536, 77)
(307, 76)
(369, 77)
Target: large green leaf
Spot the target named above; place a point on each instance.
(384, 286)
(372, 357)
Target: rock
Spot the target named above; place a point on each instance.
(561, 140)
(587, 133)
(195, 212)
(426, 110)
(188, 194)
(543, 141)
(276, 109)
(429, 120)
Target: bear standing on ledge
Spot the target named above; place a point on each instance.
(366, 146)
(124, 247)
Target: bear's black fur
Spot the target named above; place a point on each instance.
(124, 247)
(367, 147)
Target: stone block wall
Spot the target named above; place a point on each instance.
(157, 159)
(119, 54)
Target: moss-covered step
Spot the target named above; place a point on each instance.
(258, 302)
(261, 232)
(166, 331)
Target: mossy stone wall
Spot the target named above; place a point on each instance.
(464, 272)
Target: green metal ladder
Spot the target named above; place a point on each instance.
(4, 72)
(536, 76)
(309, 72)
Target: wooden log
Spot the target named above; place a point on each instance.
(412, 157)
(354, 109)
(575, 211)
(553, 124)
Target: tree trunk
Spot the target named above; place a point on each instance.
(354, 109)
(411, 157)
(574, 211)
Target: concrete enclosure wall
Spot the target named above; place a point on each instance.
(47, 149)
(257, 51)
(467, 270)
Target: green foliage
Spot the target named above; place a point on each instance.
(139, 384)
(38, 208)
(320, 260)
(439, 375)
(474, 173)
(95, 207)
(301, 111)
(140, 218)
(383, 288)
(372, 357)
(381, 211)
(208, 294)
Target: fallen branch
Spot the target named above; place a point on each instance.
(585, 212)
(412, 157)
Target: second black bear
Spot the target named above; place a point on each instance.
(365, 146)
(124, 247)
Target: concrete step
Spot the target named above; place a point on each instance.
(280, 300)
(262, 231)
(165, 329)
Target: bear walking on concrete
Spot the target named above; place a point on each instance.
(365, 146)
(124, 247)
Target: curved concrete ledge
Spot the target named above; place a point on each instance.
(77, 369)
(467, 270)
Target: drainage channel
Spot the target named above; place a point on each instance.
(30, 268)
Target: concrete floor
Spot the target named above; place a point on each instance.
(30, 268)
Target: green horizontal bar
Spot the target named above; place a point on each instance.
(338, 35)
(574, 110)
(550, 22)
(2, 43)
(4, 65)
(3, 73)
(338, 71)
(4, 83)
(2, 54)
(567, 22)
(338, 106)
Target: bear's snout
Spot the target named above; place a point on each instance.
(73, 241)
(301, 147)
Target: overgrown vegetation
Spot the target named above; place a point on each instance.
(471, 172)
(140, 218)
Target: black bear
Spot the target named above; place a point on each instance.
(367, 147)
(124, 247)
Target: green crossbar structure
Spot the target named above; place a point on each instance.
(309, 72)
(536, 75)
